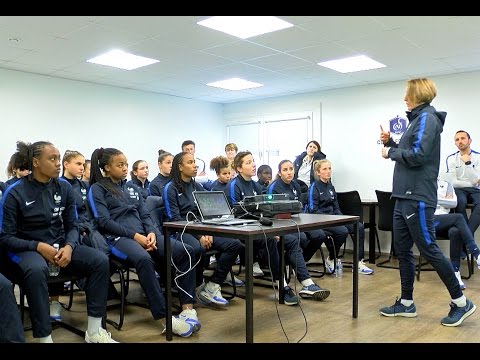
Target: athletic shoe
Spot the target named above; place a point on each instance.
(364, 269)
(238, 282)
(55, 311)
(330, 265)
(190, 317)
(180, 327)
(457, 314)
(289, 297)
(314, 292)
(460, 282)
(398, 309)
(102, 337)
(212, 294)
(257, 272)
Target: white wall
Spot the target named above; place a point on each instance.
(83, 116)
(350, 121)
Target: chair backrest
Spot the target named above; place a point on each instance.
(154, 205)
(385, 210)
(350, 203)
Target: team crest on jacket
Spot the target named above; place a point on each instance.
(84, 193)
(57, 198)
(132, 193)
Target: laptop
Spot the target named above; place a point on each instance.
(214, 209)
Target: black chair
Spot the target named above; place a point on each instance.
(351, 204)
(385, 222)
(53, 280)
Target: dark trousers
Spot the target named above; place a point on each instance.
(147, 262)
(294, 254)
(464, 195)
(413, 223)
(339, 235)
(311, 242)
(30, 269)
(198, 251)
(11, 327)
(455, 228)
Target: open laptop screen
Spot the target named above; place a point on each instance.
(212, 204)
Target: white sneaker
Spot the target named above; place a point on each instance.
(238, 282)
(460, 282)
(213, 259)
(478, 262)
(364, 269)
(102, 337)
(180, 327)
(257, 272)
(55, 311)
(190, 317)
(212, 294)
(330, 265)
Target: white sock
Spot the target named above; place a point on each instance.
(94, 325)
(406, 302)
(307, 282)
(284, 283)
(461, 301)
(46, 339)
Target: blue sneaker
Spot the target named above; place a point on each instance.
(289, 297)
(398, 309)
(314, 292)
(211, 294)
(238, 282)
(457, 314)
(190, 317)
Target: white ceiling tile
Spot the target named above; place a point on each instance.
(285, 61)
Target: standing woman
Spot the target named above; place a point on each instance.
(37, 212)
(417, 159)
(139, 176)
(165, 167)
(304, 173)
(122, 218)
(179, 201)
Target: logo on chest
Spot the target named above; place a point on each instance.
(132, 193)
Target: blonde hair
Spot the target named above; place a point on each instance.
(317, 164)
(421, 91)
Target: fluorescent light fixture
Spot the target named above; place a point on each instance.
(352, 64)
(235, 84)
(121, 59)
(245, 26)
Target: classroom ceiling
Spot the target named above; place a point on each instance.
(284, 61)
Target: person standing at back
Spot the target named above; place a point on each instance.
(417, 159)
(463, 170)
(303, 164)
(231, 150)
(188, 146)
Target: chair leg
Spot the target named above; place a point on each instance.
(378, 244)
(382, 263)
(318, 273)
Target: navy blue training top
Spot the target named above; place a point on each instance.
(121, 215)
(33, 212)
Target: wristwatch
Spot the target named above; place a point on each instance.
(468, 162)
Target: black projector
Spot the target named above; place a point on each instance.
(268, 205)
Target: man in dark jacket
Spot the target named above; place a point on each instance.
(417, 159)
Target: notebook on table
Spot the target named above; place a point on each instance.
(214, 209)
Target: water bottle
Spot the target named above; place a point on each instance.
(339, 268)
(53, 270)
